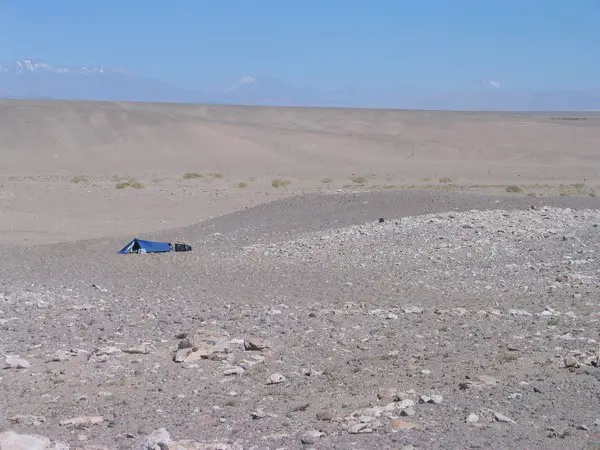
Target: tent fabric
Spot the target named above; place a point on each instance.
(141, 246)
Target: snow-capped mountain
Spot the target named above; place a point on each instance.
(23, 66)
(28, 78)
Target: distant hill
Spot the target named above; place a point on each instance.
(32, 79)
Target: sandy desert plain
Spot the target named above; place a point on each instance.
(469, 317)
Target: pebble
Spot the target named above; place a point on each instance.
(412, 310)
(258, 414)
(311, 437)
(570, 361)
(28, 420)
(82, 421)
(10, 440)
(141, 349)
(255, 344)
(472, 418)
(15, 362)
(398, 424)
(234, 371)
(325, 415)
(276, 378)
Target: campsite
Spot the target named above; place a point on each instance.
(299, 319)
(279, 225)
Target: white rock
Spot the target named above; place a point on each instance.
(234, 371)
(276, 378)
(28, 420)
(9, 440)
(157, 440)
(141, 349)
(499, 417)
(410, 309)
(359, 428)
(14, 362)
(406, 403)
(472, 418)
(82, 421)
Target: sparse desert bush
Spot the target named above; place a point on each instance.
(445, 180)
(506, 357)
(129, 183)
(79, 179)
(218, 175)
(575, 189)
(192, 175)
(242, 184)
(531, 194)
(327, 180)
(513, 189)
(359, 180)
(277, 183)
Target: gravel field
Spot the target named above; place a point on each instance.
(400, 320)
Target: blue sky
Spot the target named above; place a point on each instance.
(441, 44)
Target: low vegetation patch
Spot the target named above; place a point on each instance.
(192, 175)
(327, 180)
(79, 179)
(277, 183)
(445, 180)
(513, 189)
(242, 184)
(565, 190)
(131, 183)
(218, 175)
(359, 180)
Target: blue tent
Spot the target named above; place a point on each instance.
(140, 246)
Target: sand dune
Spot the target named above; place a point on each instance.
(56, 138)
(257, 154)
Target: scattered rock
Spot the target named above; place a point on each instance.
(437, 399)
(202, 345)
(311, 437)
(359, 428)
(234, 371)
(258, 414)
(398, 424)
(410, 309)
(157, 440)
(15, 362)
(570, 361)
(325, 415)
(27, 420)
(9, 440)
(141, 349)
(255, 344)
(495, 416)
(472, 418)
(82, 421)
(276, 378)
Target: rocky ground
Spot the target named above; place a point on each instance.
(408, 321)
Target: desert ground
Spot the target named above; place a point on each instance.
(359, 278)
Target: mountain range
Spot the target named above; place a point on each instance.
(31, 79)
